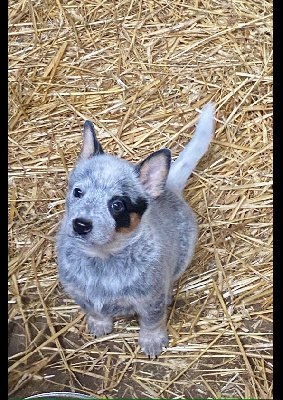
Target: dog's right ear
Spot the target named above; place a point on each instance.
(91, 146)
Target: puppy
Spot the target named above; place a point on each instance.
(127, 234)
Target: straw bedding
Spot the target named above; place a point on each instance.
(141, 70)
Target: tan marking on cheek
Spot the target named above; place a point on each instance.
(135, 220)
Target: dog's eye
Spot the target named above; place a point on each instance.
(118, 206)
(77, 192)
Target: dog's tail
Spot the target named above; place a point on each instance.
(182, 168)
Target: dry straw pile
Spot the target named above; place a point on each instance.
(141, 70)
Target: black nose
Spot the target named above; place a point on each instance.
(82, 226)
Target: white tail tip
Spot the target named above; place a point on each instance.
(182, 168)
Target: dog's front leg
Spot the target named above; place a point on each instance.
(153, 333)
(98, 324)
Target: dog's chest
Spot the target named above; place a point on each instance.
(114, 282)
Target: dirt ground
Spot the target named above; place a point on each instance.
(141, 71)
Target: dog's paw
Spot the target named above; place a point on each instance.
(153, 341)
(99, 326)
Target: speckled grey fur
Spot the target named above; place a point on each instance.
(110, 272)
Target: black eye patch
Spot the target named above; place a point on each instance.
(121, 208)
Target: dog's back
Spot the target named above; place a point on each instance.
(174, 226)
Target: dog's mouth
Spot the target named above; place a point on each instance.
(104, 251)
(89, 242)
(95, 245)
(108, 248)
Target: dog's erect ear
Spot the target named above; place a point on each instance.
(153, 171)
(91, 146)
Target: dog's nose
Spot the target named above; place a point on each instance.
(82, 226)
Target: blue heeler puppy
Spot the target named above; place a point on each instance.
(128, 235)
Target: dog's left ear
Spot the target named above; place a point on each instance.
(153, 171)
(91, 146)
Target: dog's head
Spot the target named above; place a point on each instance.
(108, 196)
